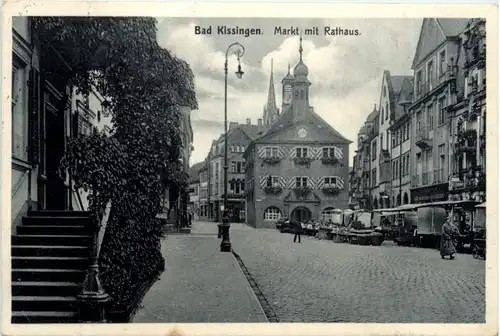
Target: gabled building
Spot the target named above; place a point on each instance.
(389, 95)
(436, 66)
(299, 167)
(400, 145)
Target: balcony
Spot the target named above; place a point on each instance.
(423, 137)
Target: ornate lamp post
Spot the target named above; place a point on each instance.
(225, 245)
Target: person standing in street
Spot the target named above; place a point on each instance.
(298, 230)
(447, 244)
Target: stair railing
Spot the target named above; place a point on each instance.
(79, 198)
(93, 298)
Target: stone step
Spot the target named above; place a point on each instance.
(55, 220)
(48, 288)
(45, 274)
(51, 240)
(33, 317)
(44, 303)
(50, 251)
(58, 213)
(52, 230)
(45, 262)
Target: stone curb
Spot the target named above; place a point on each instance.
(266, 308)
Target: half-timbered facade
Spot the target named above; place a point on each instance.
(299, 168)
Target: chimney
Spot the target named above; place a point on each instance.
(260, 122)
(249, 121)
(232, 125)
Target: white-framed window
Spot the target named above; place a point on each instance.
(231, 148)
(271, 151)
(272, 213)
(242, 148)
(302, 152)
(233, 166)
(19, 110)
(272, 181)
(330, 181)
(301, 181)
(441, 111)
(328, 152)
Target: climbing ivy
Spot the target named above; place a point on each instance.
(144, 86)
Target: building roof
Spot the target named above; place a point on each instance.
(433, 33)
(194, 172)
(452, 27)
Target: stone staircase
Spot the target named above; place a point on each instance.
(50, 255)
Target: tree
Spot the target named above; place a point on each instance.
(144, 85)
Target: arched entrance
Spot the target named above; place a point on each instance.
(406, 199)
(301, 214)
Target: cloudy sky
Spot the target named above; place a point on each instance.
(345, 71)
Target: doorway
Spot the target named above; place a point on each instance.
(301, 214)
(55, 190)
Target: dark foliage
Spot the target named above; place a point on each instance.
(144, 86)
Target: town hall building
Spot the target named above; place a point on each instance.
(298, 168)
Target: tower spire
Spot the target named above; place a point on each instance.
(300, 48)
(270, 109)
(288, 68)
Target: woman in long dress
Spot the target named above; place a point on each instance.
(447, 244)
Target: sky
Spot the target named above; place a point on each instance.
(345, 71)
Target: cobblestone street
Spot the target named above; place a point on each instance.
(321, 281)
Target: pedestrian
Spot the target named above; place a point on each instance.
(190, 218)
(447, 243)
(298, 230)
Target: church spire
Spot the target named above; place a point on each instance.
(270, 110)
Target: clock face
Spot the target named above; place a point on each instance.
(302, 133)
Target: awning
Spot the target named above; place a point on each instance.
(482, 205)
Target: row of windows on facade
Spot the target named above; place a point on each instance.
(428, 75)
(303, 181)
(237, 149)
(424, 161)
(219, 149)
(403, 133)
(301, 152)
(274, 213)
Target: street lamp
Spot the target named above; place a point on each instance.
(225, 245)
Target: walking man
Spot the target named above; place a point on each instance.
(298, 231)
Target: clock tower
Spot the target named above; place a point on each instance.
(300, 88)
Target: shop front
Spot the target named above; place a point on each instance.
(429, 194)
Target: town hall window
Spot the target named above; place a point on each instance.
(272, 181)
(328, 152)
(330, 181)
(301, 182)
(272, 214)
(271, 151)
(301, 152)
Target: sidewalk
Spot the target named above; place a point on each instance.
(200, 284)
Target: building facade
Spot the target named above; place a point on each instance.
(239, 138)
(298, 168)
(203, 188)
(401, 145)
(361, 176)
(436, 64)
(468, 118)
